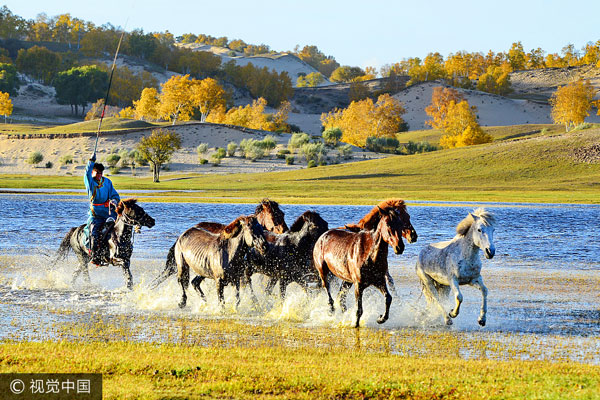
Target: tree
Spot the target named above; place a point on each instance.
(438, 109)
(80, 86)
(147, 107)
(158, 148)
(207, 95)
(176, 99)
(6, 106)
(11, 26)
(461, 127)
(95, 111)
(346, 74)
(9, 82)
(40, 63)
(572, 103)
(517, 57)
(495, 80)
(311, 80)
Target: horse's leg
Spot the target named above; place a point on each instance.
(390, 283)
(283, 283)
(344, 288)
(83, 268)
(127, 274)
(196, 284)
(237, 293)
(478, 283)
(458, 297)
(358, 292)
(220, 290)
(388, 302)
(270, 285)
(323, 271)
(184, 281)
(430, 292)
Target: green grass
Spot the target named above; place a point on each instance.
(108, 124)
(20, 128)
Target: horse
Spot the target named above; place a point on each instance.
(218, 256)
(444, 266)
(371, 219)
(289, 255)
(359, 258)
(267, 213)
(129, 215)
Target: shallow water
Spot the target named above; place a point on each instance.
(543, 282)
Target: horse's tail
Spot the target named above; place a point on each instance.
(170, 269)
(65, 245)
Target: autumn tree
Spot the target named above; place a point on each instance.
(6, 106)
(251, 116)
(572, 103)
(310, 80)
(39, 63)
(96, 111)
(158, 148)
(207, 94)
(317, 59)
(176, 99)
(346, 74)
(495, 80)
(9, 82)
(517, 57)
(461, 127)
(438, 109)
(147, 107)
(127, 86)
(362, 119)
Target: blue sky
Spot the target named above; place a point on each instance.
(355, 32)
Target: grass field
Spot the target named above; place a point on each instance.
(233, 360)
(108, 124)
(538, 169)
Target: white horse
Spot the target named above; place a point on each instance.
(446, 265)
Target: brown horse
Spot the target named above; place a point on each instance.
(371, 220)
(267, 213)
(120, 243)
(218, 256)
(360, 258)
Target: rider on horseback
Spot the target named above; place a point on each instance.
(104, 199)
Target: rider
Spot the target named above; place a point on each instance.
(104, 199)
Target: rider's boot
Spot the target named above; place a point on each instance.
(95, 251)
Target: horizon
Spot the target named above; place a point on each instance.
(386, 39)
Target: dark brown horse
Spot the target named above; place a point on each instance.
(360, 258)
(218, 256)
(289, 255)
(267, 213)
(129, 215)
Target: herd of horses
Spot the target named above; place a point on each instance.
(306, 253)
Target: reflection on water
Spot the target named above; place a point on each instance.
(543, 281)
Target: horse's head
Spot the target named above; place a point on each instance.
(480, 224)
(390, 226)
(408, 231)
(133, 214)
(270, 216)
(251, 231)
(371, 220)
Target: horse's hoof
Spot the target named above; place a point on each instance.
(357, 324)
(381, 319)
(481, 322)
(448, 321)
(182, 304)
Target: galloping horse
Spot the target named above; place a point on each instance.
(129, 215)
(218, 256)
(289, 255)
(360, 258)
(267, 213)
(446, 265)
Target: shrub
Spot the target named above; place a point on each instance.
(255, 152)
(245, 146)
(582, 126)
(66, 159)
(49, 164)
(298, 140)
(221, 152)
(382, 144)
(114, 170)
(312, 164)
(289, 160)
(345, 151)
(314, 151)
(281, 154)
(231, 149)
(268, 142)
(35, 158)
(332, 136)
(113, 159)
(202, 161)
(414, 148)
(202, 148)
(215, 159)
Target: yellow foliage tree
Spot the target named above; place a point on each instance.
(438, 109)
(176, 99)
(6, 106)
(147, 107)
(495, 80)
(461, 127)
(364, 118)
(207, 94)
(251, 116)
(127, 112)
(572, 103)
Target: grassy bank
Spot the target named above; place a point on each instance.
(538, 169)
(154, 371)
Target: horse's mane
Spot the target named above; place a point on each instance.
(233, 228)
(308, 216)
(127, 203)
(298, 223)
(270, 205)
(371, 220)
(487, 218)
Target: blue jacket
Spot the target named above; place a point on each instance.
(99, 194)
